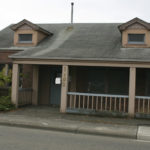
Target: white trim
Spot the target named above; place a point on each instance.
(142, 97)
(101, 95)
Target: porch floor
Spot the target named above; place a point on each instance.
(50, 115)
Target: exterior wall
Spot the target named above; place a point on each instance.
(36, 36)
(41, 36)
(44, 85)
(135, 30)
(4, 56)
(27, 76)
(29, 31)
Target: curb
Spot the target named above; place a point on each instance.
(101, 130)
(115, 131)
(41, 127)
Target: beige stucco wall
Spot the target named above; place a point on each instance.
(37, 36)
(135, 31)
(34, 37)
(40, 36)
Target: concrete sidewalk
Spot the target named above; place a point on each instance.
(48, 118)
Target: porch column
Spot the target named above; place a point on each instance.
(35, 85)
(132, 87)
(64, 88)
(15, 84)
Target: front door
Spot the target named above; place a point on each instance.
(55, 86)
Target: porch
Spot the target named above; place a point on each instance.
(42, 90)
(122, 92)
(108, 91)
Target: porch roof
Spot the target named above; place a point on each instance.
(95, 41)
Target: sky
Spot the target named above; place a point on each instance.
(85, 11)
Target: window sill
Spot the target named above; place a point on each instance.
(136, 44)
(25, 43)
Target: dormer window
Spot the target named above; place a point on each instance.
(136, 38)
(135, 34)
(25, 38)
(27, 33)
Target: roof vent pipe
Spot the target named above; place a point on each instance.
(72, 4)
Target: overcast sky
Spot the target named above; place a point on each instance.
(58, 11)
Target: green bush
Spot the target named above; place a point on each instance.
(5, 103)
(5, 80)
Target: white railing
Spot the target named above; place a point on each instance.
(25, 96)
(142, 104)
(97, 102)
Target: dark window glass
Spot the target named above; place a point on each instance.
(25, 38)
(136, 38)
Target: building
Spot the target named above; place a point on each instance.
(98, 68)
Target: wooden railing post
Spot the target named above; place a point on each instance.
(132, 87)
(98, 102)
(35, 85)
(64, 88)
(15, 84)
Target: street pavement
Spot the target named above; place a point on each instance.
(48, 118)
(13, 138)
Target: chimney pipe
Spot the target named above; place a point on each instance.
(72, 4)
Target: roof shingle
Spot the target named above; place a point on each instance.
(81, 42)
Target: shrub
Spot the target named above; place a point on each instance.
(5, 103)
(5, 80)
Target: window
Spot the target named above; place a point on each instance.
(136, 38)
(25, 38)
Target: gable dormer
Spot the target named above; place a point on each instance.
(135, 33)
(28, 34)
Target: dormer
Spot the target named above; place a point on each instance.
(28, 34)
(135, 33)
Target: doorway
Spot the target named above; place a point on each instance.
(55, 85)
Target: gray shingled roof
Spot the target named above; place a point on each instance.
(82, 41)
(6, 38)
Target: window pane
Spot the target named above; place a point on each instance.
(25, 37)
(136, 38)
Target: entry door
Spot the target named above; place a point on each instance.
(55, 89)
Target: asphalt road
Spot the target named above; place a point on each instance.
(12, 138)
